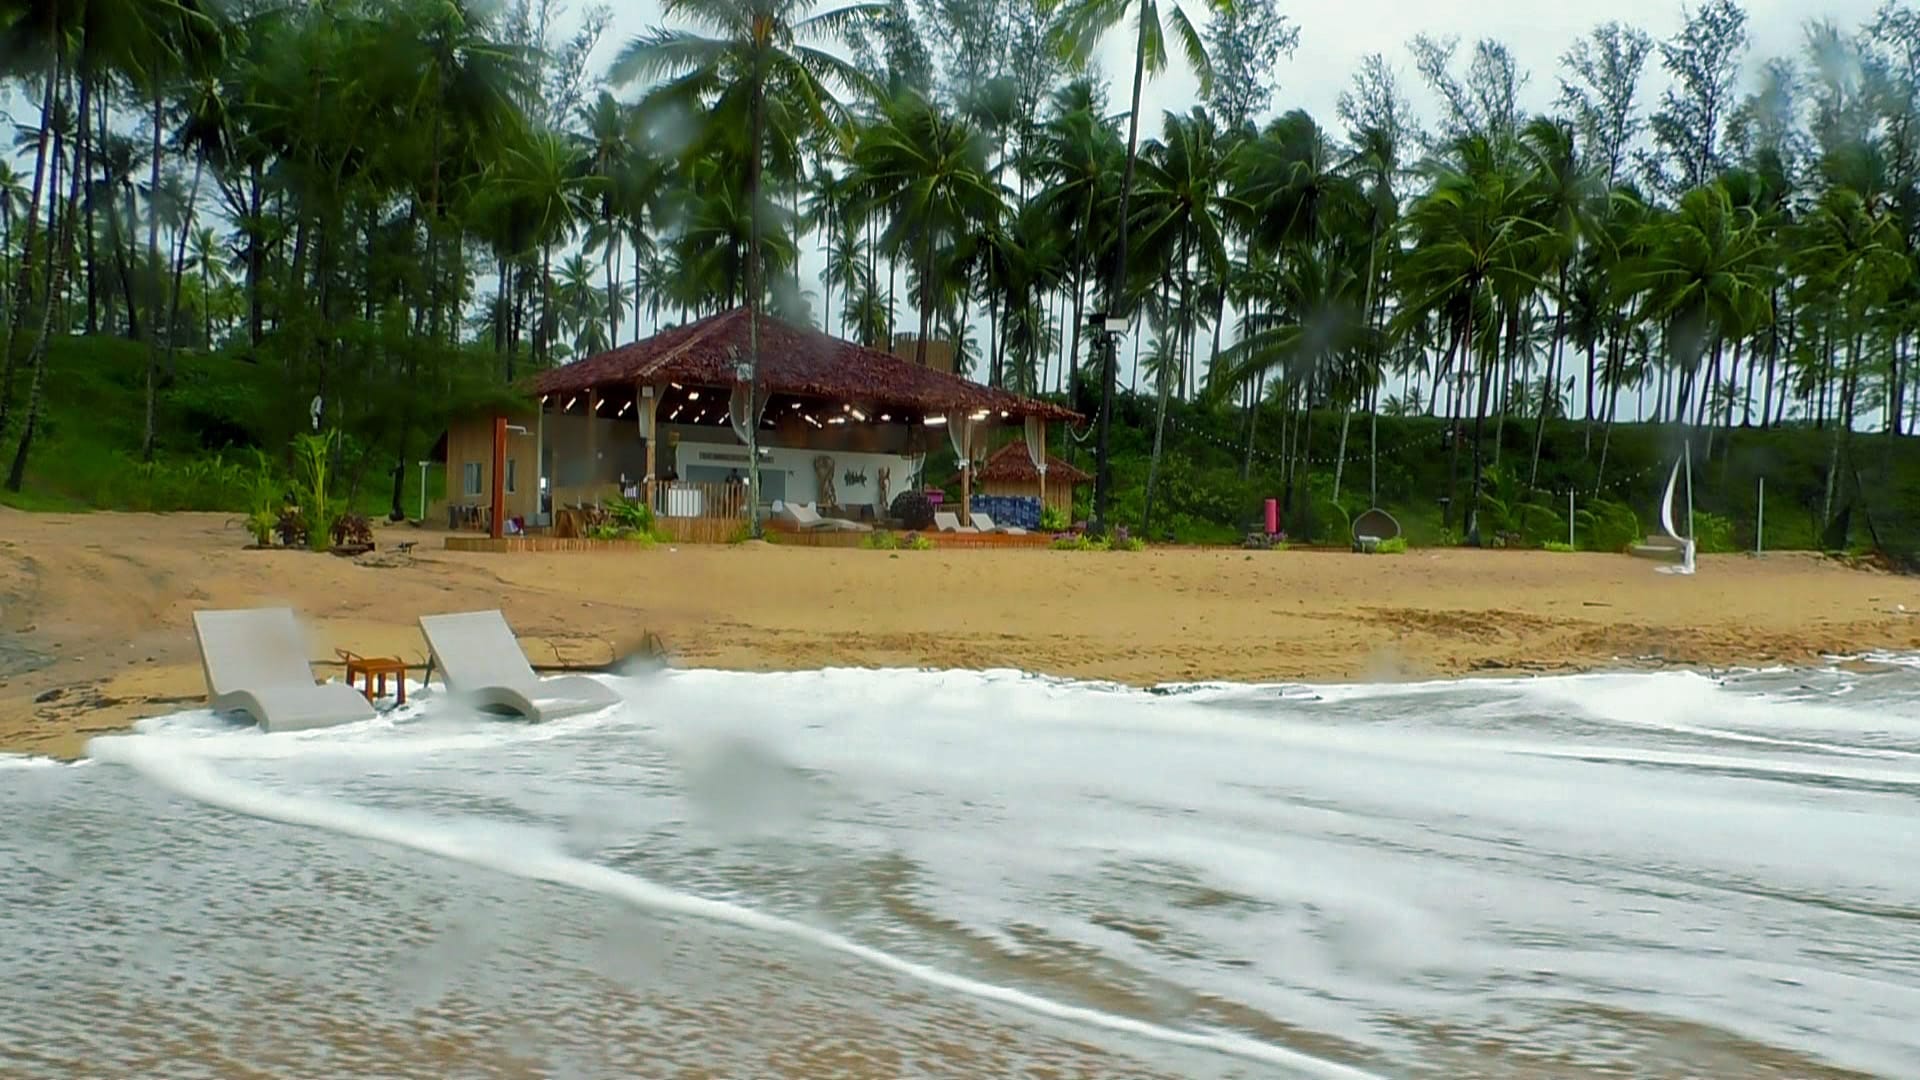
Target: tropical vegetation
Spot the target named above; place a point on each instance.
(394, 207)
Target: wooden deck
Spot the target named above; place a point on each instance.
(725, 530)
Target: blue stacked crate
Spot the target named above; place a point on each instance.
(1020, 510)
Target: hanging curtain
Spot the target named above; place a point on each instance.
(1037, 445)
(737, 408)
(960, 436)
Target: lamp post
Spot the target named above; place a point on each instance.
(743, 369)
(1107, 330)
(423, 489)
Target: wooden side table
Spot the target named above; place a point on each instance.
(370, 668)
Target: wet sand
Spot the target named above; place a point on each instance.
(95, 611)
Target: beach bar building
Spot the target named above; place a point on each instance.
(841, 427)
(1012, 484)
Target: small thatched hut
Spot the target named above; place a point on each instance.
(1010, 472)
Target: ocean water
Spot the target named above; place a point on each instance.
(923, 874)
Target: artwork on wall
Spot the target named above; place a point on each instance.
(884, 474)
(823, 473)
(854, 479)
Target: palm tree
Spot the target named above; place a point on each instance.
(754, 52)
(1078, 27)
(1078, 149)
(544, 177)
(209, 257)
(1471, 245)
(1181, 213)
(930, 170)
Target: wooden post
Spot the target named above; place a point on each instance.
(593, 445)
(1042, 468)
(966, 472)
(645, 411)
(497, 527)
(539, 461)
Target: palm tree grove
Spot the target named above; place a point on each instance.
(225, 224)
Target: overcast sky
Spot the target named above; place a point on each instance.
(1335, 35)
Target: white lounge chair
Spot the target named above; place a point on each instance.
(255, 661)
(985, 524)
(949, 522)
(805, 516)
(479, 659)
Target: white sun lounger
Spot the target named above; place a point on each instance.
(480, 660)
(985, 524)
(949, 522)
(805, 516)
(255, 660)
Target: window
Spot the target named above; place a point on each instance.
(512, 475)
(472, 477)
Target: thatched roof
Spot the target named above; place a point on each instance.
(1012, 464)
(793, 360)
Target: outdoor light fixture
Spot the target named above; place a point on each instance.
(860, 416)
(693, 395)
(837, 420)
(1116, 325)
(597, 404)
(570, 401)
(796, 404)
(886, 416)
(1003, 414)
(629, 405)
(543, 399)
(675, 385)
(934, 421)
(676, 412)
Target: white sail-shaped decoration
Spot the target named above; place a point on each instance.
(1666, 522)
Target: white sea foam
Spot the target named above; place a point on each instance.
(1681, 846)
(34, 761)
(177, 769)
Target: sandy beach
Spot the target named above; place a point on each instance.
(95, 610)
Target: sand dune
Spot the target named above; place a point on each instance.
(94, 611)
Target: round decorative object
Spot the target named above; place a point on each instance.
(912, 510)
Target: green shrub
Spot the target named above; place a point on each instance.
(1053, 519)
(880, 541)
(351, 530)
(1560, 546)
(916, 542)
(1712, 533)
(1394, 546)
(1129, 543)
(631, 515)
(260, 525)
(313, 455)
(1607, 526)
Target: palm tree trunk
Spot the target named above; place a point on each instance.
(1253, 423)
(83, 166)
(1116, 293)
(59, 230)
(926, 298)
(1550, 384)
(1160, 420)
(755, 293)
(20, 295)
(180, 260)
